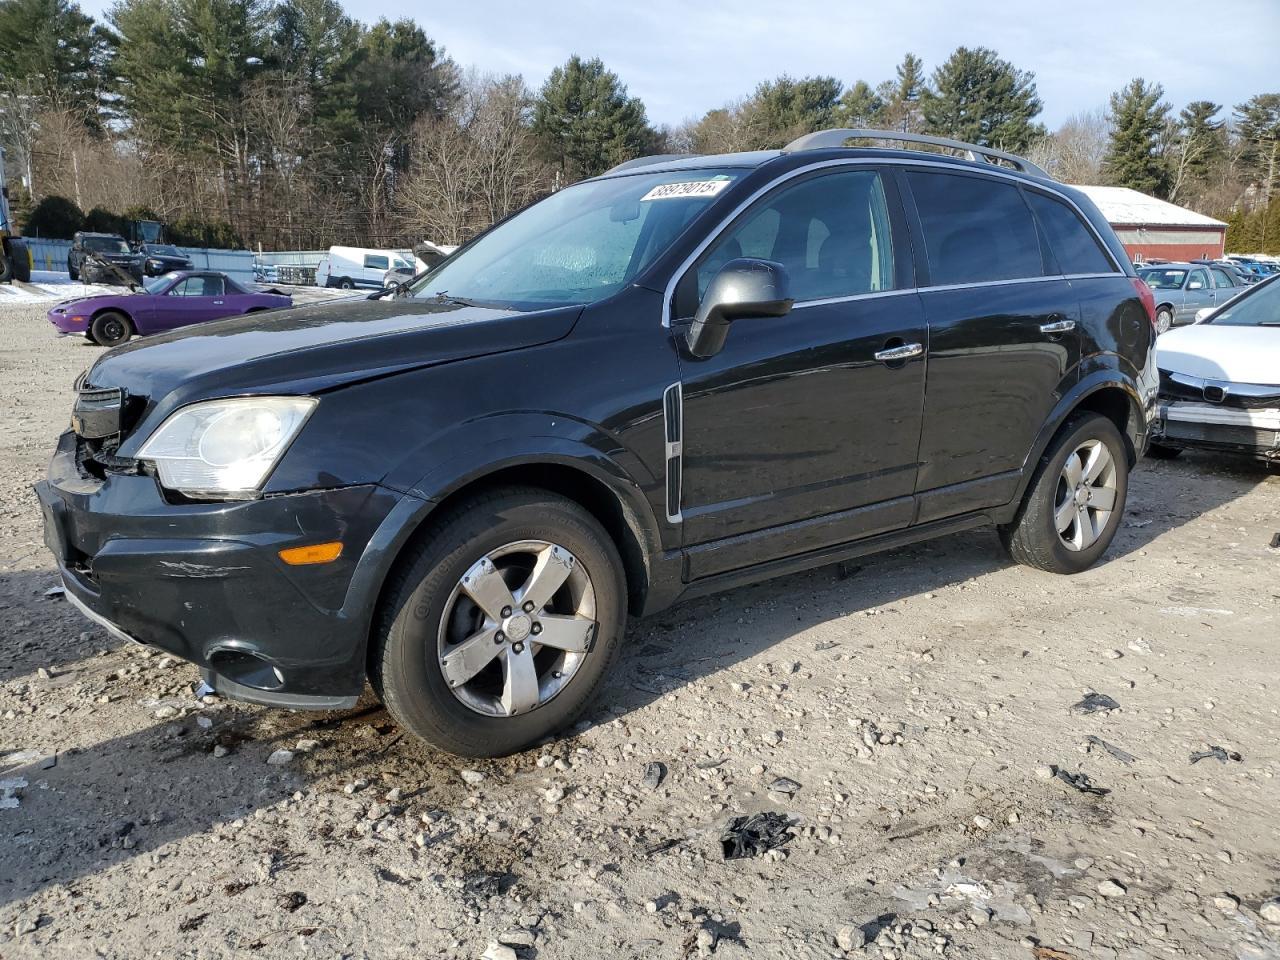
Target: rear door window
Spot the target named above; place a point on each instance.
(976, 229)
(375, 262)
(1073, 244)
(1220, 278)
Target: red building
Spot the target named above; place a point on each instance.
(1151, 228)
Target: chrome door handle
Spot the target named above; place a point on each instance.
(217, 303)
(904, 352)
(1058, 326)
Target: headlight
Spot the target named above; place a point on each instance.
(154, 264)
(225, 448)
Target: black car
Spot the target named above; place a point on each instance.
(162, 258)
(676, 378)
(91, 253)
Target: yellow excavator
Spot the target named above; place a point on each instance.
(15, 258)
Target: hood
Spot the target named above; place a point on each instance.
(1212, 352)
(91, 303)
(315, 348)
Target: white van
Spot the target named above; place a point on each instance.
(350, 267)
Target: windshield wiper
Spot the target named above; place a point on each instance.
(443, 296)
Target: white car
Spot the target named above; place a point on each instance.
(351, 267)
(1220, 379)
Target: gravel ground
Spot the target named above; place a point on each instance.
(920, 700)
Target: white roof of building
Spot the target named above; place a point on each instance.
(1130, 208)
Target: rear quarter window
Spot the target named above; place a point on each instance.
(976, 229)
(1073, 244)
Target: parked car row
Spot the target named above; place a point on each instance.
(108, 258)
(1184, 289)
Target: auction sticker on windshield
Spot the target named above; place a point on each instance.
(689, 188)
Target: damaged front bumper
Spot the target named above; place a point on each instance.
(205, 581)
(1253, 432)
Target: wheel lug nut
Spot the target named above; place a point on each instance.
(518, 647)
(528, 606)
(536, 629)
(499, 637)
(506, 612)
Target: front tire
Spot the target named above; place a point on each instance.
(1073, 506)
(1164, 320)
(346, 283)
(110, 329)
(463, 655)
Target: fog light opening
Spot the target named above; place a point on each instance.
(246, 669)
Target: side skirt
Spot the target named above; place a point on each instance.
(818, 558)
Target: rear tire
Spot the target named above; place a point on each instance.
(111, 328)
(346, 283)
(426, 616)
(1158, 451)
(1061, 526)
(1164, 320)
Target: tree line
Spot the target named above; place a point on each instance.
(288, 124)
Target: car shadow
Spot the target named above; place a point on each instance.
(129, 795)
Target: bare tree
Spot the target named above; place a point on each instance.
(1073, 153)
(475, 166)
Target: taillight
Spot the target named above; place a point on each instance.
(1147, 297)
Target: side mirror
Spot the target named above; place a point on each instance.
(743, 289)
(1195, 285)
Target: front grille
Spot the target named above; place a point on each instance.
(1223, 434)
(1219, 392)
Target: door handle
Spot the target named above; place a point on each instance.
(1058, 326)
(903, 352)
(217, 303)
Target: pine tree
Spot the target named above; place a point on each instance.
(52, 47)
(979, 98)
(1258, 124)
(785, 108)
(585, 121)
(902, 96)
(860, 106)
(1198, 147)
(1133, 156)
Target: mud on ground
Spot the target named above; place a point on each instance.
(920, 699)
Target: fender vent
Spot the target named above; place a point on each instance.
(673, 427)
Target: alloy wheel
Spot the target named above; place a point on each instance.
(1086, 495)
(516, 627)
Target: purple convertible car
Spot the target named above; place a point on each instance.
(174, 300)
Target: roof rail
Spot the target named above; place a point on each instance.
(836, 138)
(646, 161)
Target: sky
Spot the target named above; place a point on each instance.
(684, 58)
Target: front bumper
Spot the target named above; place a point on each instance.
(1252, 432)
(204, 581)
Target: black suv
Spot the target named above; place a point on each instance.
(91, 251)
(681, 376)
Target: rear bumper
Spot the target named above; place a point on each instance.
(1249, 432)
(204, 581)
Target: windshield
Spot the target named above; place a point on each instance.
(579, 245)
(156, 284)
(162, 250)
(1258, 308)
(1163, 279)
(106, 245)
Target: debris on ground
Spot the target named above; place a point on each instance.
(785, 786)
(1094, 703)
(1051, 953)
(9, 787)
(753, 835)
(1122, 755)
(653, 775)
(291, 901)
(1270, 910)
(1275, 541)
(55, 593)
(1220, 754)
(1081, 782)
